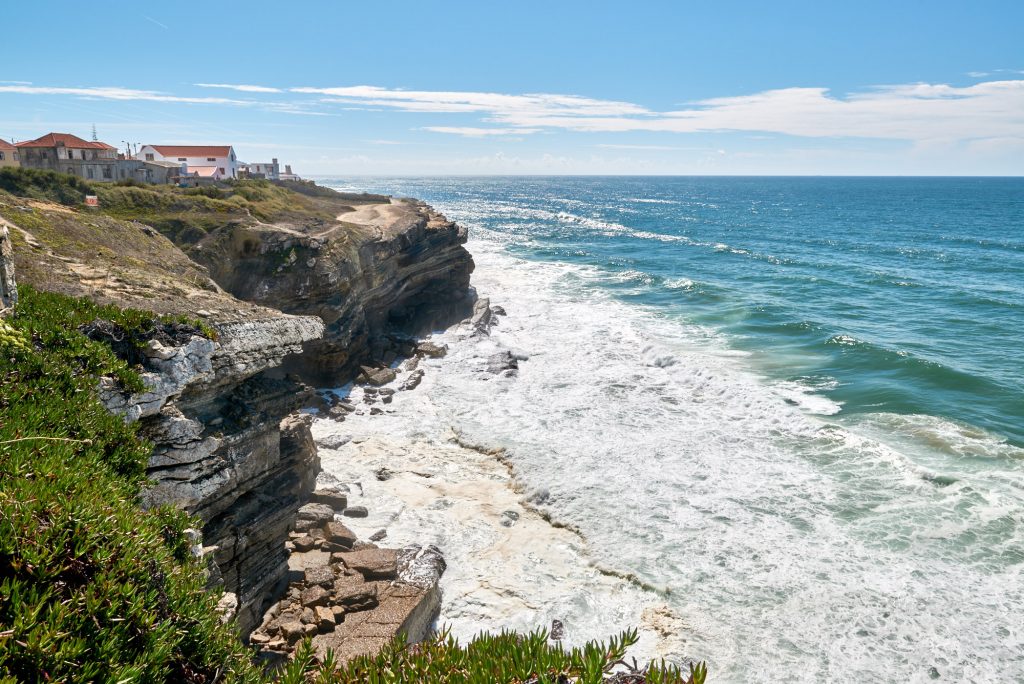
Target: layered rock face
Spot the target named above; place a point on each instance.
(230, 447)
(382, 269)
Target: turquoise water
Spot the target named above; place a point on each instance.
(901, 295)
(791, 407)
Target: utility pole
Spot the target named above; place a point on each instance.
(94, 138)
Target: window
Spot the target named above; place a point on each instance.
(211, 159)
(106, 172)
(221, 169)
(89, 171)
(149, 157)
(182, 159)
(1, 156)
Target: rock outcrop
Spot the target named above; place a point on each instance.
(8, 287)
(382, 270)
(230, 447)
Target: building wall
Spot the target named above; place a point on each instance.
(96, 165)
(229, 165)
(9, 157)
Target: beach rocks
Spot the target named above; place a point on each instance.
(431, 350)
(330, 496)
(372, 563)
(377, 376)
(312, 516)
(337, 533)
(501, 362)
(412, 381)
(356, 512)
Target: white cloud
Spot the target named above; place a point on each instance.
(473, 132)
(240, 87)
(912, 112)
(114, 93)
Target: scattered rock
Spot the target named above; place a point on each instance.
(372, 563)
(413, 381)
(321, 575)
(325, 619)
(502, 361)
(335, 441)
(498, 311)
(376, 411)
(557, 630)
(378, 535)
(331, 496)
(292, 631)
(314, 596)
(313, 515)
(421, 566)
(304, 543)
(509, 518)
(377, 376)
(434, 351)
(227, 606)
(356, 512)
(382, 474)
(338, 533)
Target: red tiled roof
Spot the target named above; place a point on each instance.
(65, 140)
(192, 150)
(4, 145)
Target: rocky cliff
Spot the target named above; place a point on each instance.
(380, 272)
(230, 443)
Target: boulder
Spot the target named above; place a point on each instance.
(413, 381)
(315, 596)
(292, 631)
(331, 496)
(338, 533)
(377, 376)
(320, 575)
(434, 351)
(356, 512)
(502, 361)
(372, 563)
(325, 619)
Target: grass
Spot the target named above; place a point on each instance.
(44, 185)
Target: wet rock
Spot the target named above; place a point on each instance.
(502, 361)
(413, 381)
(557, 630)
(356, 512)
(420, 566)
(509, 518)
(434, 351)
(376, 411)
(498, 311)
(334, 441)
(378, 535)
(482, 318)
(382, 474)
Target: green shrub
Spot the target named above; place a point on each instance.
(505, 658)
(44, 185)
(92, 588)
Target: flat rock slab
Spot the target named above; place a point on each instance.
(371, 563)
(298, 563)
(403, 609)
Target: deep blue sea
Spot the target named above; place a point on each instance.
(795, 404)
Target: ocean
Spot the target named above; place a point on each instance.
(787, 411)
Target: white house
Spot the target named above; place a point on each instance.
(269, 170)
(208, 161)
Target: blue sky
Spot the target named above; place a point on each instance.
(343, 88)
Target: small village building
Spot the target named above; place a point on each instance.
(208, 161)
(66, 153)
(269, 170)
(8, 154)
(288, 175)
